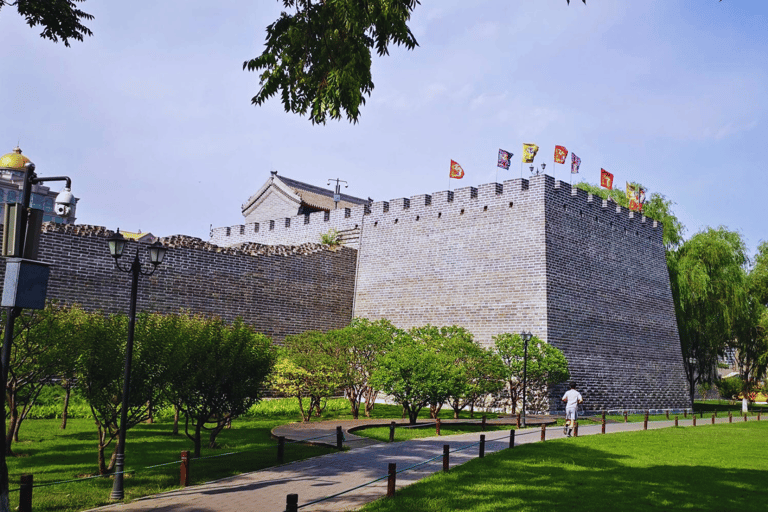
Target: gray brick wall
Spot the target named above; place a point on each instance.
(278, 290)
(536, 256)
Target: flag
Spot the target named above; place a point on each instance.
(641, 198)
(504, 157)
(606, 179)
(529, 152)
(575, 163)
(634, 202)
(456, 171)
(560, 154)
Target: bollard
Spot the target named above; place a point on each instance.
(626, 419)
(392, 470)
(675, 420)
(25, 493)
(543, 433)
(446, 452)
(437, 426)
(645, 422)
(667, 413)
(483, 423)
(184, 471)
(292, 503)
(392, 432)
(512, 438)
(575, 429)
(280, 449)
(339, 438)
(694, 420)
(482, 445)
(730, 417)
(603, 428)
(685, 414)
(713, 419)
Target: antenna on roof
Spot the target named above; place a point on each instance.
(337, 194)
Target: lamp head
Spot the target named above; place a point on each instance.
(116, 244)
(157, 253)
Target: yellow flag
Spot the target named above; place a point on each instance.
(529, 152)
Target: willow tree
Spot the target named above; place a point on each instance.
(708, 278)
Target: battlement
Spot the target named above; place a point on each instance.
(486, 199)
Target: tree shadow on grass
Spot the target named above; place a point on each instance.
(556, 475)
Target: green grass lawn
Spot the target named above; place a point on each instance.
(52, 455)
(717, 468)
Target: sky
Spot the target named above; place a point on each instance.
(152, 118)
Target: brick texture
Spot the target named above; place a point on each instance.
(278, 290)
(537, 256)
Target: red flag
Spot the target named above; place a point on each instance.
(560, 154)
(456, 171)
(606, 179)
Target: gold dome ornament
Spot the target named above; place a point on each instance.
(14, 160)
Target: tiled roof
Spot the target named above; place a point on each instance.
(318, 197)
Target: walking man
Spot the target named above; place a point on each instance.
(572, 399)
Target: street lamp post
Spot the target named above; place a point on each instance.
(526, 336)
(156, 255)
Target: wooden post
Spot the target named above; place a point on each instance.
(392, 470)
(626, 419)
(446, 454)
(392, 432)
(685, 414)
(745, 417)
(512, 438)
(543, 433)
(292, 503)
(675, 420)
(694, 420)
(758, 416)
(339, 438)
(280, 449)
(25, 493)
(437, 426)
(730, 417)
(713, 419)
(667, 413)
(645, 421)
(483, 422)
(482, 445)
(184, 470)
(603, 428)
(575, 429)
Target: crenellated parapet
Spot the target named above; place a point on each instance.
(489, 199)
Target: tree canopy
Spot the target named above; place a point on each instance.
(60, 19)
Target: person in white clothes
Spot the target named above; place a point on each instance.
(572, 399)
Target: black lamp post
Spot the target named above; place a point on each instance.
(526, 336)
(156, 255)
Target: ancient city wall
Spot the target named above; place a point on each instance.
(294, 230)
(609, 303)
(537, 256)
(278, 290)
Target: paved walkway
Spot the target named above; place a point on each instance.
(327, 475)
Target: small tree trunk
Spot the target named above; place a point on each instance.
(65, 409)
(744, 405)
(175, 430)
(217, 429)
(150, 412)
(472, 410)
(198, 438)
(12, 426)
